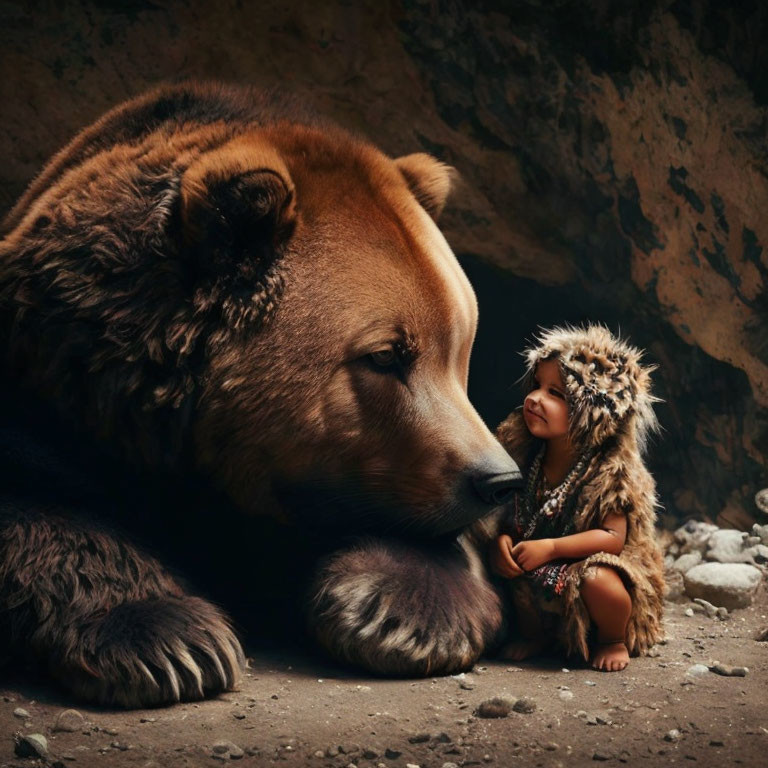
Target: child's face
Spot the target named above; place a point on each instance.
(546, 408)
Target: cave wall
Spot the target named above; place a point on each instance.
(613, 161)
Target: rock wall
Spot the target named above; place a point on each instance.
(614, 167)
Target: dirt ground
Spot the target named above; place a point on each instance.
(293, 710)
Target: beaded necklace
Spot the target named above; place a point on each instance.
(552, 499)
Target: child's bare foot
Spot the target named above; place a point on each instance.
(610, 656)
(518, 650)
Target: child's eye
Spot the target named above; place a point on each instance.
(557, 393)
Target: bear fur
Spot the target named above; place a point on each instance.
(217, 308)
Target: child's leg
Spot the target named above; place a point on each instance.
(609, 605)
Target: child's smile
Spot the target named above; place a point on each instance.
(546, 408)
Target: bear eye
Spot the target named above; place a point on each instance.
(383, 358)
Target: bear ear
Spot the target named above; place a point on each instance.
(237, 207)
(428, 179)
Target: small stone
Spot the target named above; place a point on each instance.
(319, 753)
(673, 735)
(31, 745)
(496, 707)
(147, 719)
(727, 546)
(443, 738)
(69, 721)
(688, 611)
(716, 743)
(419, 738)
(370, 754)
(590, 682)
(349, 749)
(601, 756)
(551, 746)
(238, 715)
(332, 751)
(392, 754)
(697, 670)
(761, 531)
(120, 746)
(684, 563)
(524, 706)
(412, 765)
(227, 749)
(110, 731)
(466, 685)
(566, 695)
(450, 765)
(709, 609)
(726, 671)
(20, 712)
(603, 720)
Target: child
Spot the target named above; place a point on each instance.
(578, 544)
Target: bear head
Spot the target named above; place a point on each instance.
(269, 303)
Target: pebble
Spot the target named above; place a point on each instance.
(412, 765)
(419, 738)
(673, 735)
(31, 745)
(349, 749)
(601, 756)
(495, 708)
(726, 671)
(332, 751)
(450, 765)
(697, 670)
(524, 706)
(709, 609)
(319, 753)
(20, 712)
(566, 695)
(684, 563)
(224, 749)
(392, 754)
(688, 611)
(69, 721)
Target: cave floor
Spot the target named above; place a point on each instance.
(293, 710)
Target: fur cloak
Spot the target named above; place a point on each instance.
(610, 412)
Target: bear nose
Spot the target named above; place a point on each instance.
(498, 488)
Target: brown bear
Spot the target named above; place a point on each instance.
(213, 292)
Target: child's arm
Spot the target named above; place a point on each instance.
(608, 538)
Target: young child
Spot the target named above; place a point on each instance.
(578, 544)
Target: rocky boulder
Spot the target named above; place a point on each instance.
(730, 585)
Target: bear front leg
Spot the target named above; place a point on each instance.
(110, 623)
(405, 609)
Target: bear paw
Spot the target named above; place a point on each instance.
(151, 653)
(401, 609)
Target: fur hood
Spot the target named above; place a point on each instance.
(609, 391)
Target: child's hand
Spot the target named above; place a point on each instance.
(502, 562)
(531, 554)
